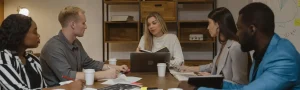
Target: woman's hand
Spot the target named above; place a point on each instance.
(189, 69)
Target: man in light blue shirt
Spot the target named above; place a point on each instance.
(276, 63)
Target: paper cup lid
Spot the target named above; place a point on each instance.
(161, 64)
(112, 59)
(89, 70)
(175, 89)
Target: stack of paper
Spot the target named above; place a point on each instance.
(122, 79)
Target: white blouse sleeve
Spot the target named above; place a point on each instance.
(178, 59)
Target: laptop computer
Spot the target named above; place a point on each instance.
(147, 62)
(213, 81)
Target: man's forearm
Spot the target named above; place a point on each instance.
(80, 75)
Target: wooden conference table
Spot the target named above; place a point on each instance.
(150, 80)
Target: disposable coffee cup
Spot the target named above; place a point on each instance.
(89, 76)
(161, 68)
(175, 89)
(113, 61)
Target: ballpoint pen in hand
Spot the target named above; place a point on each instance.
(66, 77)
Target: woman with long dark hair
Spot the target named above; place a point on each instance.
(230, 61)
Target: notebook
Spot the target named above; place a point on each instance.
(164, 49)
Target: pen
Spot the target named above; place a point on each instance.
(66, 77)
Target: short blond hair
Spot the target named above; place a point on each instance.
(69, 13)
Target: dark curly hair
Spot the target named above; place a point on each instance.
(13, 31)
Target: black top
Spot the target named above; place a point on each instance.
(34, 77)
(258, 56)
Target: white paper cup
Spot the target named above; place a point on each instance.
(89, 76)
(175, 89)
(113, 61)
(161, 68)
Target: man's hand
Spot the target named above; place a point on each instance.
(107, 74)
(122, 68)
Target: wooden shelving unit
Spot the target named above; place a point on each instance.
(121, 32)
(111, 2)
(194, 27)
(195, 1)
(131, 32)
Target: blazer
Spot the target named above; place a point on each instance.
(279, 68)
(233, 63)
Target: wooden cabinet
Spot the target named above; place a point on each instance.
(121, 1)
(167, 9)
(121, 31)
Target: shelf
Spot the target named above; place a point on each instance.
(159, 0)
(121, 41)
(121, 32)
(166, 22)
(197, 41)
(121, 21)
(121, 2)
(195, 1)
(193, 21)
(194, 27)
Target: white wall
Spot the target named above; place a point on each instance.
(45, 14)
(233, 5)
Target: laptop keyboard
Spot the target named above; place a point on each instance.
(120, 87)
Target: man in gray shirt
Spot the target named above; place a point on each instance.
(63, 54)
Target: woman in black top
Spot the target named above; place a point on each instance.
(19, 69)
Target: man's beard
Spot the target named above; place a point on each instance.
(247, 43)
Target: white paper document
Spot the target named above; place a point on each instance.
(184, 76)
(122, 79)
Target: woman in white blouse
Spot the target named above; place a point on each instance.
(156, 37)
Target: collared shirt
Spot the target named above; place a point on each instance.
(60, 58)
(16, 76)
